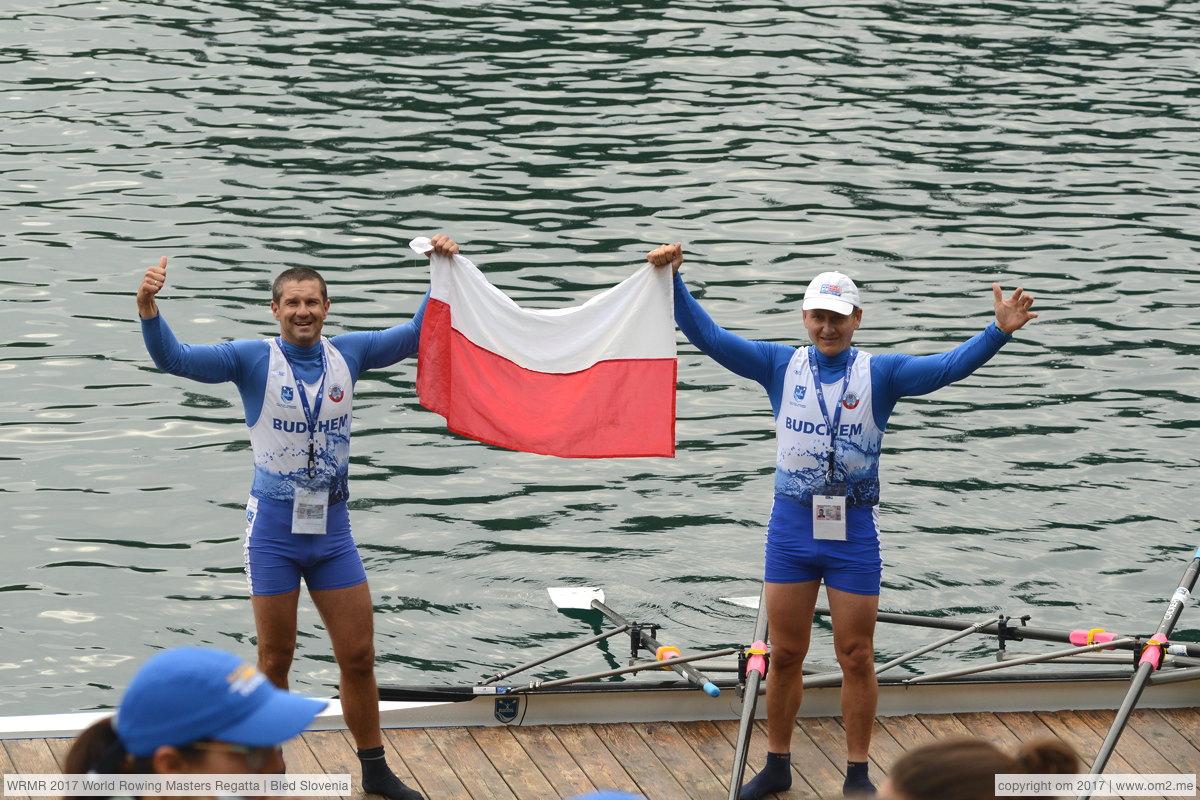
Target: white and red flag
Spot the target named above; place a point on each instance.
(590, 381)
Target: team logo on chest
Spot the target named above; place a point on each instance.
(335, 393)
(850, 401)
(798, 393)
(286, 393)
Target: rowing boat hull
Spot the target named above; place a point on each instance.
(646, 701)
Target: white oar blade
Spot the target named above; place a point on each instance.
(575, 596)
(750, 601)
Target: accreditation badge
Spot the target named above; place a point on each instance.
(829, 513)
(310, 510)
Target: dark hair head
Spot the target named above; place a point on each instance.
(98, 750)
(1048, 757)
(966, 769)
(297, 274)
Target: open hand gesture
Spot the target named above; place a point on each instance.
(1012, 313)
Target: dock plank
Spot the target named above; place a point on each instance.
(711, 746)
(804, 780)
(59, 748)
(885, 750)
(685, 760)
(336, 756)
(31, 756)
(986, 725)
(1163, 736)
(556, 762)
(518, 768)
(470, 764)
(1067, 726)
(1184, 720)
(680, 759)
(944, 726)
(298, 758)
(1133, 748)
(8, 768)
(810, 764)
(602, 768)
(908, 731)
(433, 776)
(828, 736)
(654, 781)
(1026, 726)
(395, 760)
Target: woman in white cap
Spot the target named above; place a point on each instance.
(831, 404)
(194, 710)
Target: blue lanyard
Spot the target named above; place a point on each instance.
(310, 415)
(837, 414)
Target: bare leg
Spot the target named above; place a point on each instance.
(275, 623)
(789, 619)
(347, 614)
(854, 642)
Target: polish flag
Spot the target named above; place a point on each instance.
(591, 381)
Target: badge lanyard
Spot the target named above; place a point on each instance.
(311, 415)
(837, 414)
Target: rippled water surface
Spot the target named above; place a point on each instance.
(926, 148)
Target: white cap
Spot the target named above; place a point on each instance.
(832, 291)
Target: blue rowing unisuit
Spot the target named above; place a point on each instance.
(891, 376)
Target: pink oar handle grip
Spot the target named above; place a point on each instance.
(1080, 637)
(758, 658)
(1152, 653)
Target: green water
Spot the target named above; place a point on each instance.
(926, 148)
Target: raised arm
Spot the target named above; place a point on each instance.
(152, 283)
(206, 363)
(897, 375)
(366, 350)
(745, 357)
(374, 349)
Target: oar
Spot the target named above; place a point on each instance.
(565, 597)
(756, 670)
(1077, 637)
(557, 654)
(641, 666)
(1151, 658)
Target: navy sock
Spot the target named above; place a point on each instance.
(776, 776)
(378, 778)
(857, 783)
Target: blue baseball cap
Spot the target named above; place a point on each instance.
(188, 694)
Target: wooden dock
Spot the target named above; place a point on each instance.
(671, 761)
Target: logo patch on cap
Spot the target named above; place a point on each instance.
(245, 679)
(831, 288)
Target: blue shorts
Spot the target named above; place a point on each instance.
(276, 558)
(794, 556)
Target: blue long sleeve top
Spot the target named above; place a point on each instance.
(893, 375)
(244, 362)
